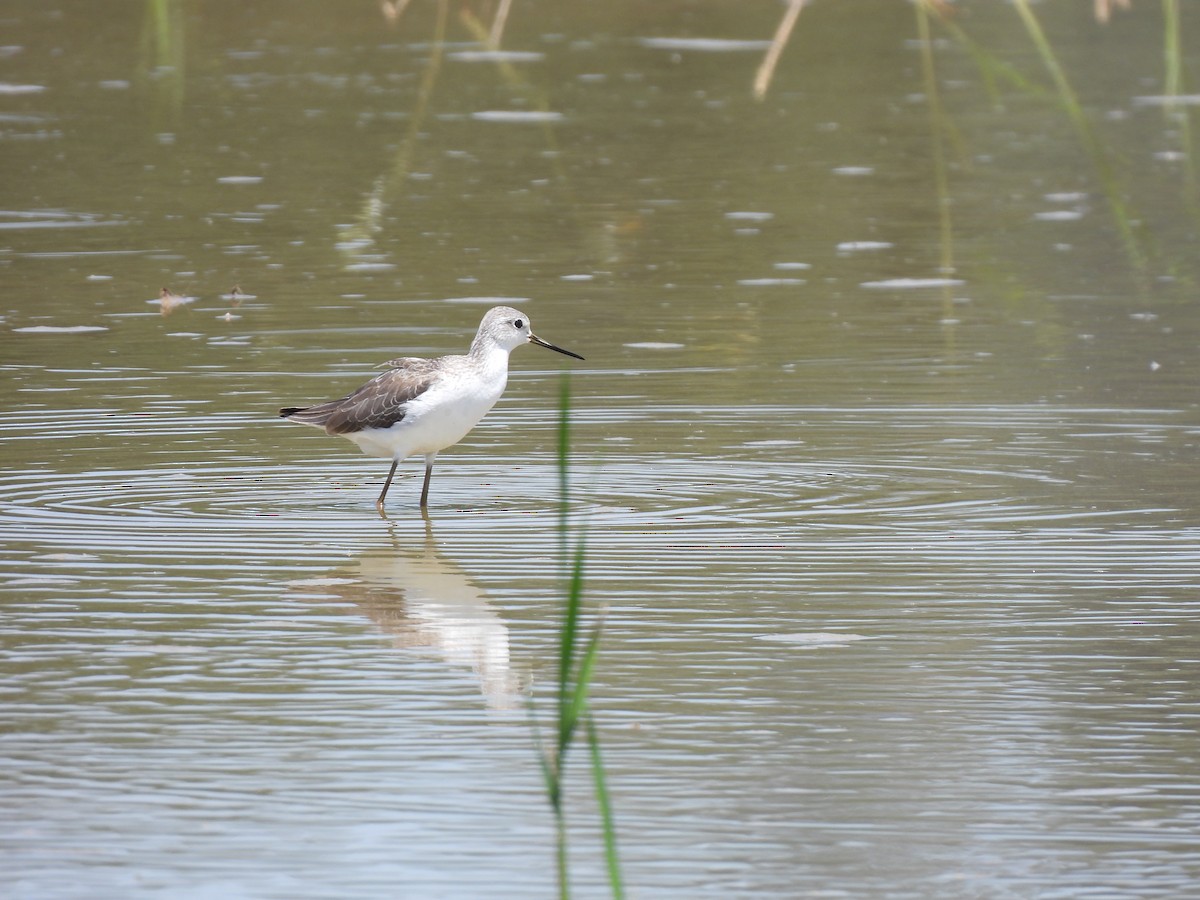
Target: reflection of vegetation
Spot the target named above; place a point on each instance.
(1171, 49)
(513, 78)
(1133, 238)
(360, 234)
(1130, 237)
(1173, 88)
(162, 48)
(576, 664)
(938, 125)
(1133, 241)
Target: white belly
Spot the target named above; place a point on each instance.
(439, 418)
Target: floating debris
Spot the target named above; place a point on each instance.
(392, 9)
(168, 301)
(236, 295)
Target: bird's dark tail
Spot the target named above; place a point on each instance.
(312, 415)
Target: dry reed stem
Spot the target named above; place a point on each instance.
(766, 71)
(1104, 8)
(393, 9)
(497, 31)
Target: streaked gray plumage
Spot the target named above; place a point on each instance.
(380, 403)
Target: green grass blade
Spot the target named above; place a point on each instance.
(583, 678)
(568, 686)
(570, 623)
(564, 444)
(551, 772)
(575, 669)
(600, 784)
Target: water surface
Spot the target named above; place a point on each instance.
(886, 466)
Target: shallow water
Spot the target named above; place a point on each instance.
(897, 528)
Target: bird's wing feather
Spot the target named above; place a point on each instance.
(404, 362)
(380, 403)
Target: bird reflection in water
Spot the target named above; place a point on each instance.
(423, 601)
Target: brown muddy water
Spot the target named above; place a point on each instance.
(885, 449)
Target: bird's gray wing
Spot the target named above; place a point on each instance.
(403, 362)
(380, 403)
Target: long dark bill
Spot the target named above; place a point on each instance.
(534, 339)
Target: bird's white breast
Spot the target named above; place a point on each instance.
(445, 413)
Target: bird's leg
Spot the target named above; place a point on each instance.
(425, 486)
(387, 484)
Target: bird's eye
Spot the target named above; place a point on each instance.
(519, 323)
